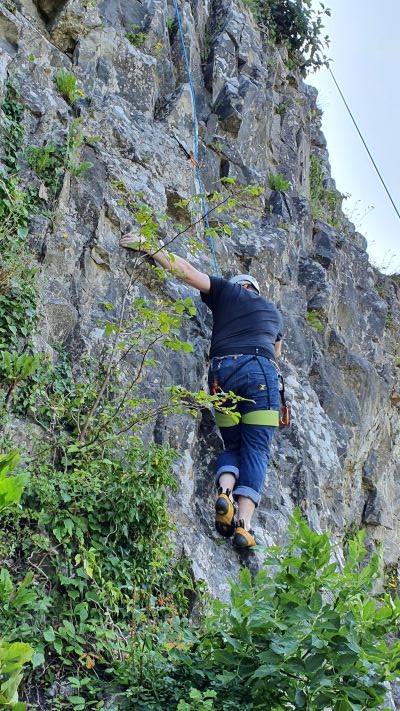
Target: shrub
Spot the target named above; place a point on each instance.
(48, 163)
(67, 85)
(279, 183)
(303, 634)
(136, 37)
(296, 24)
(325, 204)
(313, 320)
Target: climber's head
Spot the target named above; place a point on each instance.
(246, 280)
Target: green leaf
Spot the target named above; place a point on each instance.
(343, 705)
(69, 627)
(265, 670)
(37, 659)
(314, 662)
(8, 461)
(58, 646)
(300, 699)
(49, 635)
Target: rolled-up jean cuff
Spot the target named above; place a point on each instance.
(227, 469)
(248, 492)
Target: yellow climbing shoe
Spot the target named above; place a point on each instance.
(242, 538)
(224, 514)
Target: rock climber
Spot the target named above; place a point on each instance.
(246, 339)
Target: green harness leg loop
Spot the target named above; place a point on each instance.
(224, 420)
(261, 417)
(257, 417)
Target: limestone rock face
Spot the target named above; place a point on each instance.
(339, 460)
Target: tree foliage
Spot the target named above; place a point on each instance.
(298, 25)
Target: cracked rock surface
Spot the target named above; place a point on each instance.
(339, 460)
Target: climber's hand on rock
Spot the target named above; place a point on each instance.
(132, 241)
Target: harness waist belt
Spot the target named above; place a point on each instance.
(246, 350)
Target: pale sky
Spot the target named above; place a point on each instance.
(365, 50)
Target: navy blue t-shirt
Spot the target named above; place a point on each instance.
(243, 321)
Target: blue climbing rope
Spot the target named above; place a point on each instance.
(195, 138)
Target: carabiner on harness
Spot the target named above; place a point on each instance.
(284, 417)
(216, 388)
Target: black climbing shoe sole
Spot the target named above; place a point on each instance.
(243, 539)
(224, 515)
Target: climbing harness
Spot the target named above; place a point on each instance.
(194, 158)
(284, 415)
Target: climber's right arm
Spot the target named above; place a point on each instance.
(178, 266)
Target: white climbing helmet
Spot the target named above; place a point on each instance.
(246, 279)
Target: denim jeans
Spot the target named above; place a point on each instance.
(247, 444)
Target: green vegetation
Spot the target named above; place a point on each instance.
(10, 486)
(216, 146)
(279, 183)
(313, 320)
(50, 162)
(389, 321)
(306, 635)
(67, 85)
(136, 37)
(17, 275)
(391, 581)
(16, 368)
(281, 108)
(171, 24)
(297, 25)
(325, 204)
(14, 656)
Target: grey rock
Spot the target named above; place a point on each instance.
(224, 66)
(325, 247)
(228, 107)
(375, 512)
(9, 34)
(123, 13)
(312, 276)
